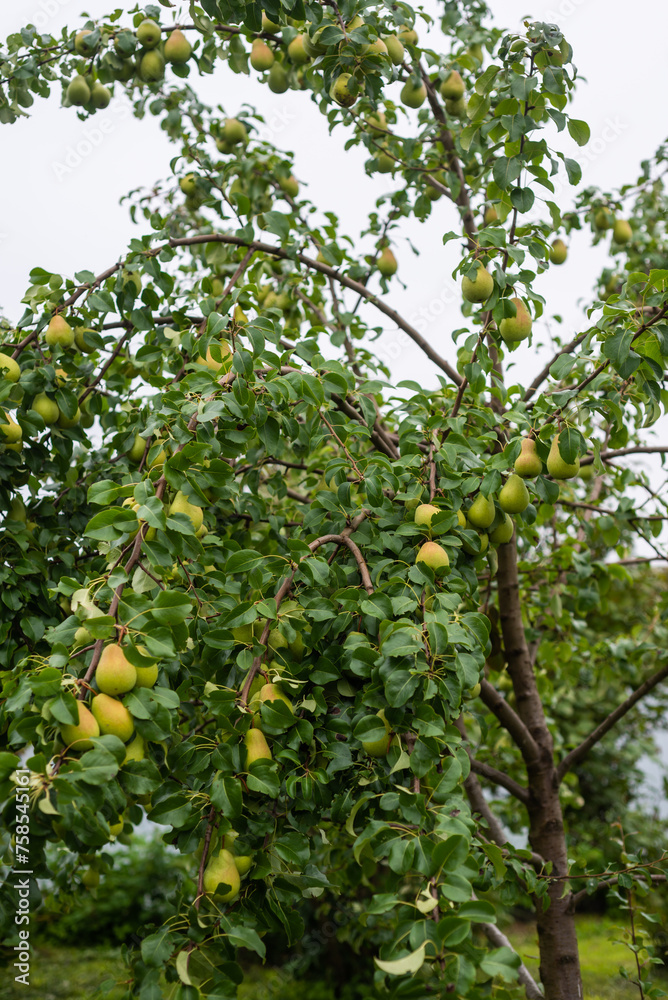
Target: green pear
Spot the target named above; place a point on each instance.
(491, 215)
(221, 869)
(528, 464)
(461, 519)
(100, 96)
(78, 736)
(177, 47)
(46, 407)
(514, 496)
(66, 422)
(269, 26)
(452, 88)
(504, 532)
(9, 368)
(408, 36)
(10, 431)
(514, 329)
(457, 109)
(152, 67)
(149, 34)
(261, 57)
(587, 472)
(188, 184)
(59, 333)
(115, 674)
(79, 44)
(277, 81)
(395, 49)
(479, 288)
(484, 542)
(82, 636)
(621, 232)
(434, 556)
(17, 510)
(290, 185)
(234, 131)
(146, 676)
(296, 52)
(136, 452)
(379, 748)
(126, 71)
(80, 341)
(257, 747)
(603, 218)
(135, 750)
(377, 48)
(117, 827)
(90, 877)
(387, 263)
(312, 45)
(181, 505)
(424, 513)
(557, 467)
(481, 513)
(341, 92)
(78, 92)
(112, 717)
(475, 50)
(413, 95)
(244, 863)
(272, 692)
(558, 252)
(221, 348)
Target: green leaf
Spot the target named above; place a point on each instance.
(157, 948)
(226, 795)
(246, 937)
(276, 222)
(109, 524)
(501, 962)
(579, 131)
(104, 492)
(171, 607)
(243, 561)
(478, 911)
(408, 965)
(574, 170)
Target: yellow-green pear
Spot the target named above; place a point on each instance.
(290, 185)
(296, 51)
(377, 48)
(603, 218)
(152, 67)
(79, 45)
(424, 513)
(413, 95)
(558, 252)
(100, 96)
(148, 34)
(621, 232)
(479, 288)
(268, 25)
(457, 108)
(82, 636)
(514, 496)
(46, 407)
(181, 505)
(514, 329)
(244, 863)
(491, 215)
(78, 737)
(475, 50)
(80, 339)
(221, 869)
(587, 472)
(112, 717)
(177, 47)
(10, 431)
(272, 692)
(115, 674)
(452, 88)
(379, 748)
(408, 36)
(504, 532)
(481, 513)
(126, 70)
(234, 131)
(222, 349)
(395, 49)
(461, 519)
(528, 464)
(146, 676)
(17, 510)
(257, 747)
(9, 368)
(261, 57)
(66, 422)
(387, 263)
(341, 92)
(78, 92)
(136, 452)
(188, 184)
(277, 81)
(90, 878)
(135, 750)
(434, 556)
(59, 333)
(484, 543)
(557, 467)
(117, 827)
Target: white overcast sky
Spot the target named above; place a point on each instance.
(73, 221)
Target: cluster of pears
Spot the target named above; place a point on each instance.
(225, 868)
(453, 92)
(146, 66)
(479, 288)
(107, 715)
(622, 232)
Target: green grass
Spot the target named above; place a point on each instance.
(59, 973)
(600, 958)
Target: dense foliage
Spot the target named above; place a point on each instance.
(312, 609)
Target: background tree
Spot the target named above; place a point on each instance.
(294, 613)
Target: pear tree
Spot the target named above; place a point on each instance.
(319, 627)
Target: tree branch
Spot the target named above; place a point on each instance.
(577, 754)
(510, 720)
(499, 778)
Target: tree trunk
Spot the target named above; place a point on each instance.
(557, 940)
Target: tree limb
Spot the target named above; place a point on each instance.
(577, 754)
(510, 720)
(499, 778)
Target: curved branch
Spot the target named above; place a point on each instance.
(499, 778)
(542, 375)
(577, 754)
(510, 720)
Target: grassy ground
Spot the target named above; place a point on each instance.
(75, 973)
(600, 958)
